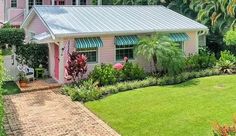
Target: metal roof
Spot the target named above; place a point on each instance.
(92, 20)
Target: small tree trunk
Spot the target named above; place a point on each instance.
(154, 58)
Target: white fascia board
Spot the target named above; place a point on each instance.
(77, 35)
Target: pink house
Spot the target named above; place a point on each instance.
(14, 11)
(106, 33)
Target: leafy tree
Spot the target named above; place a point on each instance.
(218, 14)
(163, 52)
(33, 55)
(11, 36)
(76, 66)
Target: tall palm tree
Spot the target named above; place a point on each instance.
(164, 53)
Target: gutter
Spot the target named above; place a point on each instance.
(91, 34)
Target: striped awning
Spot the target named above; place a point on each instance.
(93, 42)
(126, 40)
(179, 37)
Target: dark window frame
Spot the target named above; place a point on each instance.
(122, 49)
(14, 3)
(87, 52)
(73, 2)
(38, 2)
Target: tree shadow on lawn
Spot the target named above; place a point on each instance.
(189, 83)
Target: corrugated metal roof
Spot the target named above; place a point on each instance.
(88, 20)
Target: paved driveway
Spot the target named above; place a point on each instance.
(48, 113)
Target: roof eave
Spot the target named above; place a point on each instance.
(90, 34)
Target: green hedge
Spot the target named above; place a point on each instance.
(185, 76)
(94, 93)
(33, 55)
(11, 36)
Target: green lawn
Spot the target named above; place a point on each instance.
(10, 87)
(187, 109)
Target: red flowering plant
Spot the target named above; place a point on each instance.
(76, 66)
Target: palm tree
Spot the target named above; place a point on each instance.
(165, 54)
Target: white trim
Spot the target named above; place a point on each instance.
(117, 33)
(196, 42)
(61, 62)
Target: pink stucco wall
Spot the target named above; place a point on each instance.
(35, 26)
(106, 54)
(191, 46)
(1, 11)
(16, 16)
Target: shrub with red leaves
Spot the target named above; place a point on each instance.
(76, 66)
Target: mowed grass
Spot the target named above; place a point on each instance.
(10, 87)
(187, 109)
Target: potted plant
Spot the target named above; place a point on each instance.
(22, 80)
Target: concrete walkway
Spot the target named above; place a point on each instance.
(48, 113)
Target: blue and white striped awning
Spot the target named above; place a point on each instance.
(93, 42)
(126, 40)
(179, 37)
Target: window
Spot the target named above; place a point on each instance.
(61, 2)
(31, 3)
(38, 2)
(124, 51)
(202, 41)
(74, 2)
(181, 45)
(90, 53)
(82, 2)
(14, 3)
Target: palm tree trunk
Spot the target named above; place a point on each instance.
(154, 58)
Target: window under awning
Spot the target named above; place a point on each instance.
(179, 37)
(91, 42)
(126, 40)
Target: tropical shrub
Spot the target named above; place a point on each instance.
(132, 71)
(104, 74)
(200, 61)
(32, 55)
(164, 53)
(87, 91)
(76, 66)
(226, 63)
(128, 85)
(230, 38)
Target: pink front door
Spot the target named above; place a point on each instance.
(56, 58)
